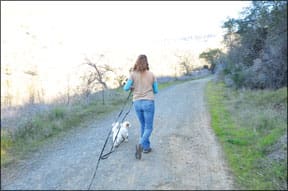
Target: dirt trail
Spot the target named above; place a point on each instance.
(186, 154)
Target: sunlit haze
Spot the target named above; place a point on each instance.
(55, 37)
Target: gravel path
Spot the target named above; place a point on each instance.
(186, 154)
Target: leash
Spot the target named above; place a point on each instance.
(107, 138)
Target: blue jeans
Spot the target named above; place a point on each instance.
(145, 113)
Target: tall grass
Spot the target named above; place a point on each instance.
(35, 131)
(252, 128)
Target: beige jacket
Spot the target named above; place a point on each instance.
(143, 85)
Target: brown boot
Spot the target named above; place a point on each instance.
(138, 151)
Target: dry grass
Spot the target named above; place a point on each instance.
(27, 128)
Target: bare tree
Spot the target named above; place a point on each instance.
(119, 76)
(186, 63)
(31, 88)
(120, 79)
(8, 95)
(68, 89)
(97, 75)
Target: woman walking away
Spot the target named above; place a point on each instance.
(144, 85)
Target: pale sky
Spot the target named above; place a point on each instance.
(118, 24)
(56, 36)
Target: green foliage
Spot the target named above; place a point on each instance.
(250, 126)
(211, 56)
(57, 113)
(6, 143)
(257, 45)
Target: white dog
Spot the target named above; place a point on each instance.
(123, 132)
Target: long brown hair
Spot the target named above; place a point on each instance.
(141, 63)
